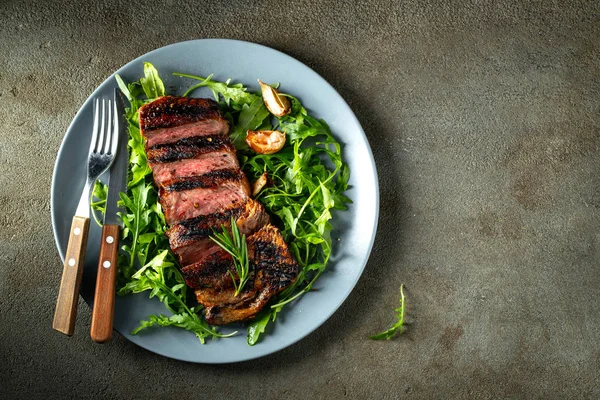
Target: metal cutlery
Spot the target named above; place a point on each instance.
(101, 155)
(104, 297)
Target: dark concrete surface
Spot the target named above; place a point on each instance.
(484, 119)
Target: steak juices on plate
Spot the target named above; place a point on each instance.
(201, 187)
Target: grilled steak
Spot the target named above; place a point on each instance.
(201, 187)
(273, 268)
(187, 148)
(189, 239)
(205, 163)
(187, 204)
(170, 119)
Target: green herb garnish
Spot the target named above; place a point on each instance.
(398, 327)
(235, 244)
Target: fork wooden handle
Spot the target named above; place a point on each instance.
(68, 294)
(104, 297)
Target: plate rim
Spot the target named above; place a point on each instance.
(349, 289)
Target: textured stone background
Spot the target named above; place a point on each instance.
(484, 119)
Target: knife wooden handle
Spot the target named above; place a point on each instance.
(68, 294)
(104, 297)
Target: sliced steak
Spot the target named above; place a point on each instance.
(210, 297)
(211, 272)
(201, 187)
(205, 163)
(189, 239)
(187, 204)
(273, 269)
(207, 180)
(192, 147)
(170, 119)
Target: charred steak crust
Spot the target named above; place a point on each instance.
(188, 240)
(213, 272)
(210, 179)
(200, 165)
(276, 267)
(187, 204)
(169, 111)
(273, 269)
(250, 217)
(201, 187)
(215, 218)
(188, 148)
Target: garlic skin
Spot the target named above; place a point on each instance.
(265, 142)
(277, 104)
(259, 184)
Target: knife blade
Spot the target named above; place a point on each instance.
(104, 296)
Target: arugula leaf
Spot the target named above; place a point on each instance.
(398, 327)
(123, 87)
(165, 282)
(136, 220)
(258, 326)
(187, 321)
(234, 95)
(151, 83)
(137, 157)
(99, 192)
(250, 118)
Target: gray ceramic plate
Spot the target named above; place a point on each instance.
(244, 62)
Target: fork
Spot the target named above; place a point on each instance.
(103, 147)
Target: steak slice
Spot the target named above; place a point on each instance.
(211, 272)
(170, 119)
(192, 147)
(187, 204)
(272, 267)
(207, 180)
(189, 239)
(204, 163)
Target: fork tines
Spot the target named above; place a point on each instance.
(105, 116)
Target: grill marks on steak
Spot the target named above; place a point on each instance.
(191, 147)
(210, 179)
(201, 187)
(211, 272)
(273, 267)
(171, 119)
(174, 112)
(188, 204)
(189, 239)
(203, 164)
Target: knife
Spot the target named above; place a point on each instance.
(104, 297)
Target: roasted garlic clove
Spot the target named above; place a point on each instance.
(277, 104)
(259, 184)
(265, 142)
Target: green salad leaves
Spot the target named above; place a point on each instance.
(398, 326)
(308, 179)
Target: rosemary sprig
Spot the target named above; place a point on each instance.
(399, 325)
(235, 244)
